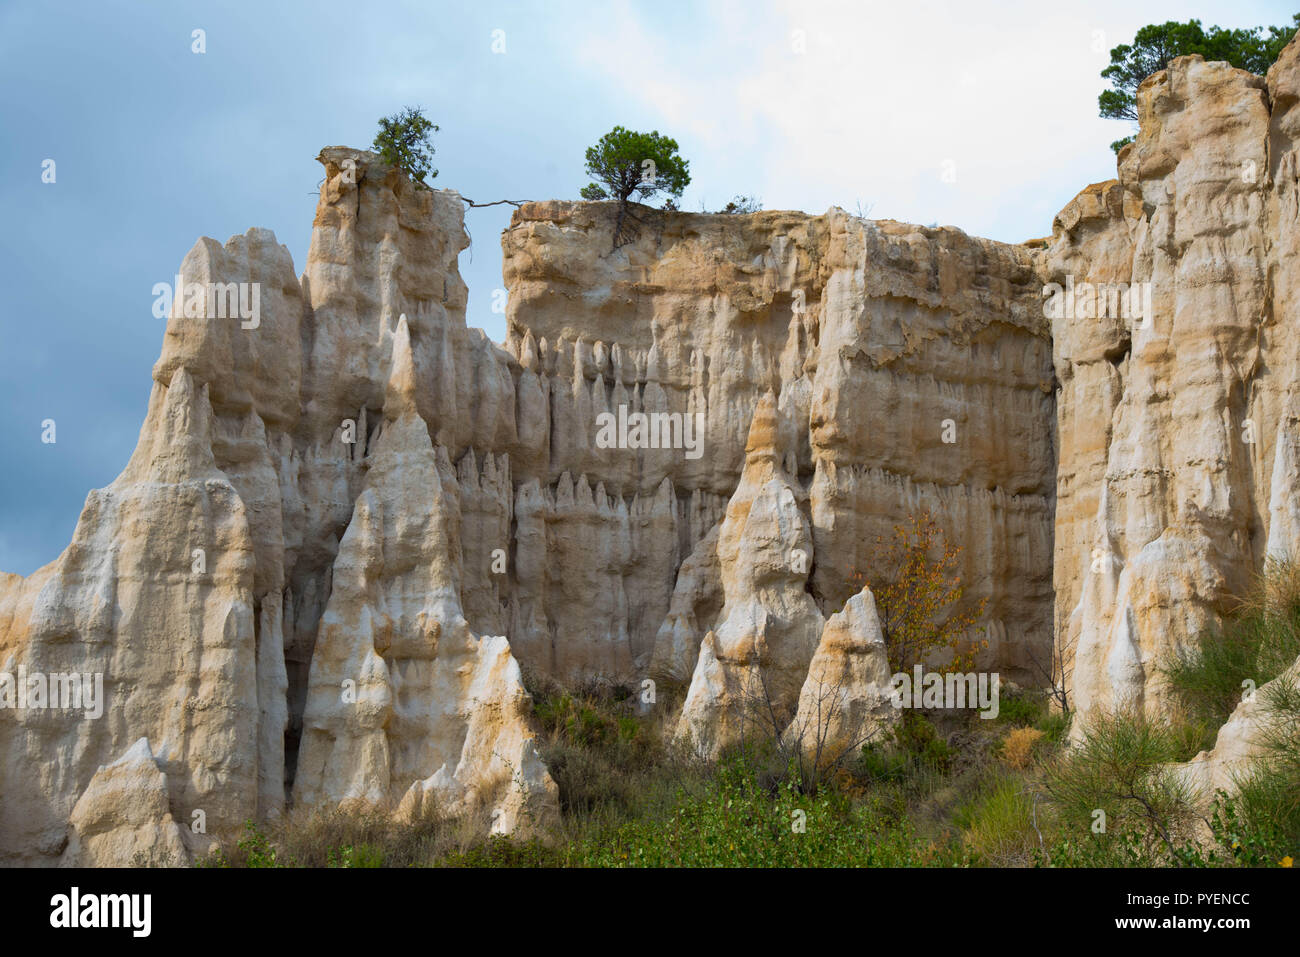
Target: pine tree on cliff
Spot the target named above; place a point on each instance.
(403, 141)
(1158, 43)
(627, 163)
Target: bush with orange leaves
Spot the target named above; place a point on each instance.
(918, 597)
(1018, 747)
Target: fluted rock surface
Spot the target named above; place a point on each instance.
(754, 662)
(352, 524)
(911, 367)
(340, 484)
(1178, 468)
(124, 817)
(154, 600)
(401, 692)
(195, 585)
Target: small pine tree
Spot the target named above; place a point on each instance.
(403, 141)
(1156, 44)
(627, 163)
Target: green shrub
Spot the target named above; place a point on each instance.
(734, 822)
(912, 751)
(403, 141)
(1022, 708)
(999, 826)
(500, 851)
(345, 838)
(917, 736)
(1254, 645)
(253, 849)
(1118, 783)
(607, 761)
(362, 855)
(1125, 849)
(1260, 824)
(1055, 727)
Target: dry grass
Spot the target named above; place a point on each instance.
(1018, 747)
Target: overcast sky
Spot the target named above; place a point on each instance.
(805, 105)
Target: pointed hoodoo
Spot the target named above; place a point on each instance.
(528, 357)
(176, 440)
(400, 395)
(846, 698)
(764, 433)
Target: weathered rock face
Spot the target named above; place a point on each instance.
(352, 524)
(1088, 355)
(124, 817)
(401, 690)
(195, 585)
(774, 666)
(351, 519)
(933, 393)
(846, 697)
(757, 658)
(153, 602)
(1240, 743)
(911, 369)
(1178, 468)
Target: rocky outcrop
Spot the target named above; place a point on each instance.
(195, 585)
(756, 660)
(1177, 422)
(124, 817)
(403, 698)
(149, 617)
(352, 525)
(911, 368)
(846, 699)
(774, 666)
(932, 393)
(1241, 742)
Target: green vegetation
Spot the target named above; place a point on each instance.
(741, 204)
(1260, 824)
(628, 799)
(1251, 648)
(403, 141)
(938, 790)
(1118, 783)
(1156, 44)
(624, 163)
(999, 824)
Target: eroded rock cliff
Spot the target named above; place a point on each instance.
(353, 523)
(1177, 473)
(278, 483)
(911, 369)
(353, 526)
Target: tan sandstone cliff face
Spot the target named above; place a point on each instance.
(352, 520)
(1178, 464)
(911, 369)
(176, 648)
(195, 585)
(351, 527)
(403, 697)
